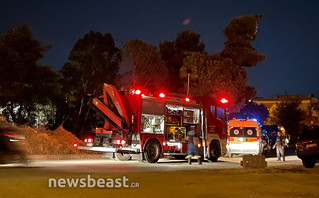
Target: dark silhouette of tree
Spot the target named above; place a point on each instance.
(240, 32)
(223, 75)
(173, 52)
(215, 76)
(146, 69)
(287, 113)
(252, 110)
(93, 60)
(23, 83)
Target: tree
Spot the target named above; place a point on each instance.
(93, 60)
(173, 52)
(147, 69)
(240, 32)
(287, 113)
(252, 110)
(223, 75)
(23, 83)
(215, 76)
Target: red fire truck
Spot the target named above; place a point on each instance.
(152, 127)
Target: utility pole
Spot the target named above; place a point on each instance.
(188, 74)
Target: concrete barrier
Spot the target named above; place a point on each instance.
(253, 161)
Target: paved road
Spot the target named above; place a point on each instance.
(163, 165)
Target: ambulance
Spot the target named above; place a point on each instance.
(243, 137)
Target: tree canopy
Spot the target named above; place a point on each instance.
(93, 60)
(215, 76)
(240, 32)
(222, 74)
(173, 53)
(287, 113)
(23, 82)
(147, 69)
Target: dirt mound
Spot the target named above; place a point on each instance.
(58, 142)
(44, 142)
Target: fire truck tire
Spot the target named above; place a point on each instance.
(152, 152)
(122, 157)
(214, 151)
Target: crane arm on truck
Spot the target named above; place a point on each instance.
(107, 114)
(116, 99)
(116, 117)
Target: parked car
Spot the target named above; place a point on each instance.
(307, 147)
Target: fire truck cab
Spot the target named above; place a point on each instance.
(152, 127)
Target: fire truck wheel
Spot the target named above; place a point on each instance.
(214, 152)
(152, 152)
(122, 156)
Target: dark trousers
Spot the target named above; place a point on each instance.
(280, 152)
(191, 149)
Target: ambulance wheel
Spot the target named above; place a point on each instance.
(152, 152)
(122, 156)
(214, 152)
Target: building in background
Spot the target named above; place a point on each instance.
(309, 104)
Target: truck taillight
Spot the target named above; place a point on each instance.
(88, 140)
(120, 142)
(162, 95)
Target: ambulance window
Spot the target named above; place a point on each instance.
(212, 110)
(235, 132)
(221, 113)
(152, 107)
(152, 124)
(250, 132)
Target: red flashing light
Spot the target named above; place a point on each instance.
(187, 99)
(75, 145)
(89, 140)
(123, 141)
(162, 95)
(137, 92)
(224, 101)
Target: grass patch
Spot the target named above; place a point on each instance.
(271, 182)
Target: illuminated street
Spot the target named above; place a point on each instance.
(111, 166)
(207, 180)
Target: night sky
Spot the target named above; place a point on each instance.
(288, 32)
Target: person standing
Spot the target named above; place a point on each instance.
(191, 149)
(279, 145)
